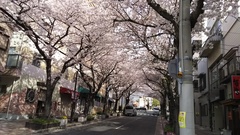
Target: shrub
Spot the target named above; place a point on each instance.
(99, 110)
(99, 113)
(90, 117)
(64, 117)
(168, 128)
(44, 121)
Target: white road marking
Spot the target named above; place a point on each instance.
(126, 123)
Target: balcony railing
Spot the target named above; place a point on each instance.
(210, 44)
(216, 93)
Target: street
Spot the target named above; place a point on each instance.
(138, 125)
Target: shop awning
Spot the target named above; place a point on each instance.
(87, 91)
(64, 90)
(98, 95)
(83, 90)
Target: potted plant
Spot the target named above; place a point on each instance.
(63, 122)
(82, 118)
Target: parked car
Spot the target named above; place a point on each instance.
(156, 111)
(130, 111)
(142, 109)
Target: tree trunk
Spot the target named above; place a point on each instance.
(127, 101)
(105, 102)
(86, 108)
(49, 92)
(163, 105)
(48, 104)
(89, 103)
(115, 105)
(104, 107)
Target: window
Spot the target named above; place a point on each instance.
(12, 50)
(204, 110)
(14, 59)
(195, 86)
(30, 96)
(238, 63)
(214, 74)
(3, 89)
(36, 60)
(202, 81)
(231, 67)
(4, 39)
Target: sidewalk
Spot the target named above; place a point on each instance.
(160, 126)
(13, 127)
(198, 129)
(204, 131)
(17, 127)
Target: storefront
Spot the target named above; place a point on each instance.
(67, 98)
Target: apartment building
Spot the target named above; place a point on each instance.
(22, 75)
(221, 51)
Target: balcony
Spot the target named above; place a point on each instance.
(12, 70)
(210, 44)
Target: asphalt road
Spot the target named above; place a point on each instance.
(137, 125)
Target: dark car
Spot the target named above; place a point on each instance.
(143, 109)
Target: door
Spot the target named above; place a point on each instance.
(236, 121)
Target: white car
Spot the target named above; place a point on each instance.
(130, 111)
(156, 111)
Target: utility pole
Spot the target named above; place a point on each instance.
(186, 114)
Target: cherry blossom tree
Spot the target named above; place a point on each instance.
(154, 24)
(120, 87)
(131, 91)
(94, 77)
(60, 30)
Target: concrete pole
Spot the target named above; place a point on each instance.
(185, 53)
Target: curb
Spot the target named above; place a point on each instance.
(81, 125)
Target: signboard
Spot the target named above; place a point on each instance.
(236, 87)
(182, 119)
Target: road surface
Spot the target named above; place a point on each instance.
(131, 125)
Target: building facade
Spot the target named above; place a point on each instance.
(202, 94)
(221, 50)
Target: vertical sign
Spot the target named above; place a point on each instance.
(182, 119)
(236, 87)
